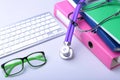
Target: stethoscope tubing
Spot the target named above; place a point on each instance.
(71, 26)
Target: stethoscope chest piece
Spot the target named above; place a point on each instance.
(66, 52)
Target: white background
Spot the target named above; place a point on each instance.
(84, 65)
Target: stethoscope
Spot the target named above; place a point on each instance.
(66, 52)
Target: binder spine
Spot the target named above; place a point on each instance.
(104, 36)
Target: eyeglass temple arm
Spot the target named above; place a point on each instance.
(11, 66)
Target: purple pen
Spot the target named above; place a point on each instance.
(66, 51)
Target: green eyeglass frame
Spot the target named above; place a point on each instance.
(38, 57)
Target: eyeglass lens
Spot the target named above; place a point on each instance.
(13, 67)
(36, 59)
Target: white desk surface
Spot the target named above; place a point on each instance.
(84, 65)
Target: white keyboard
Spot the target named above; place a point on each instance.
(29, 32)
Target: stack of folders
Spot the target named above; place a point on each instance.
(105, 42)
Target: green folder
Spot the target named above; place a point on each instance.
(101, 12)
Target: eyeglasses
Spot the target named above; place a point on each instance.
(15, 66)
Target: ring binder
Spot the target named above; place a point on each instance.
(92, 41)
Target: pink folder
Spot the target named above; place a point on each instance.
(91, 40)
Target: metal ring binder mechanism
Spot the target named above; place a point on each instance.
(66, 51)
